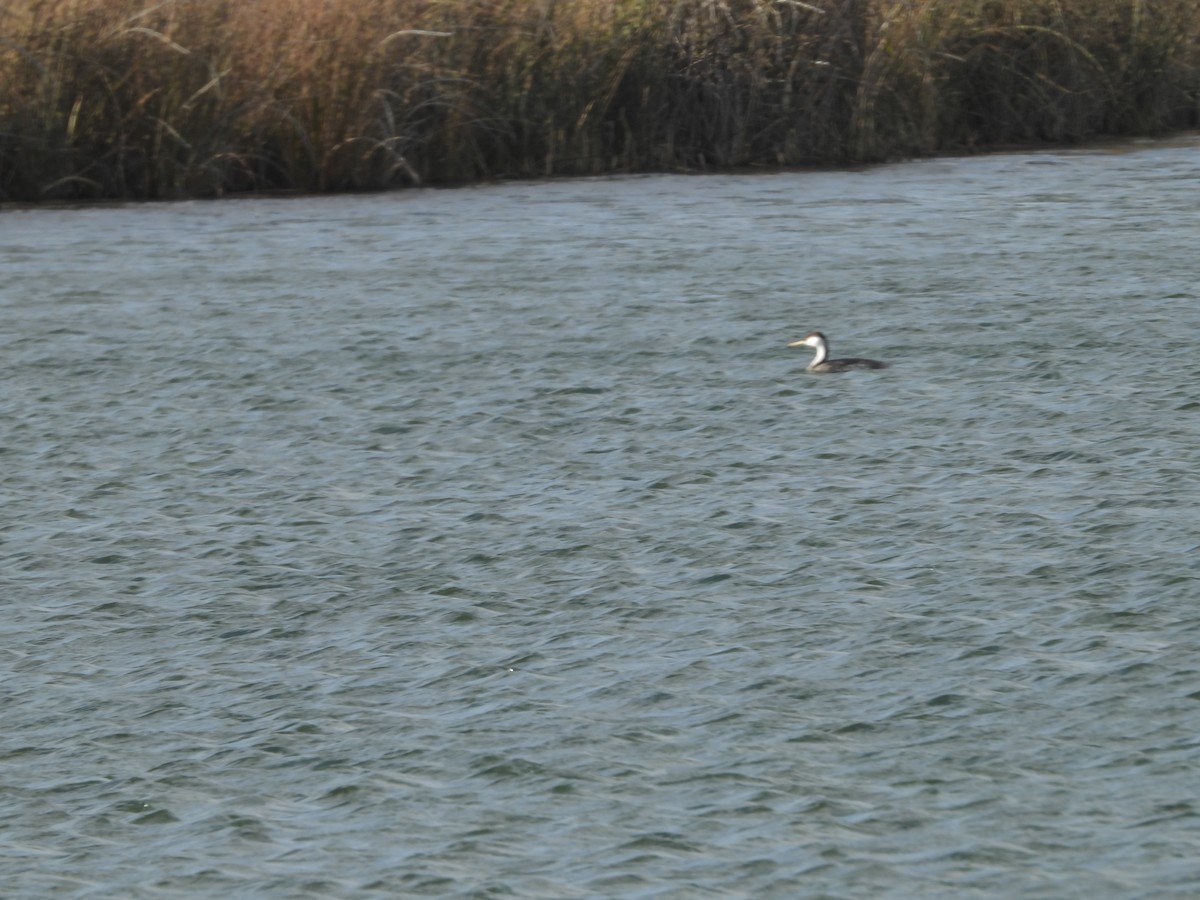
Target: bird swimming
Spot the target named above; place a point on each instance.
(819, 363)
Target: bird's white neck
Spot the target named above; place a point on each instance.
(822, 350)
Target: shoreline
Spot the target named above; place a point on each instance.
(1112, 145)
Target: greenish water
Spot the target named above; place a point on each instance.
(492, 542)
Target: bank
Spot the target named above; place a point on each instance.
(125, 99)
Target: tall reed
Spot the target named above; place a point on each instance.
(170, 98)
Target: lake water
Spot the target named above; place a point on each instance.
(492, 542)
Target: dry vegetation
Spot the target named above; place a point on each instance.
(135, 98)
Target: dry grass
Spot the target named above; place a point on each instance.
(134, 98)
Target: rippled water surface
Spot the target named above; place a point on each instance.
(492, 542)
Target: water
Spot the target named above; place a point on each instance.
(492, 542)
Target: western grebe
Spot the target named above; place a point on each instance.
(819, 363)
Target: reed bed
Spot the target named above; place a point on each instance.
(143, 99)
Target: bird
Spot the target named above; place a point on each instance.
(819, 363)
